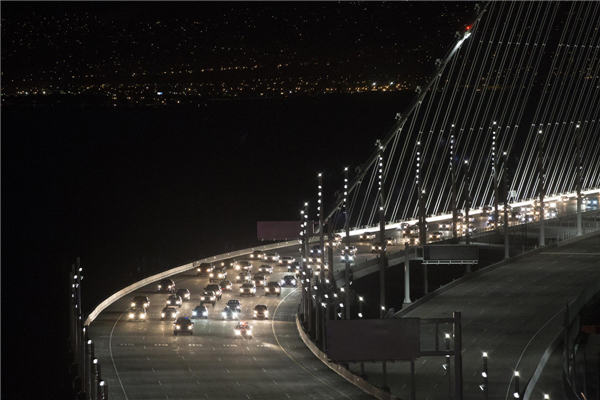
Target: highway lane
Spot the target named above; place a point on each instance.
(144, 360)
(507, 313)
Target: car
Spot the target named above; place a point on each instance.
(204, 269)
(486, 209)
(184, 294)
(552, 213)
(334, 243)
(248, 288)
(166, 285)
(286, 260)
(390, 241)
(137, 314)
(337, 238)
(265, 269)
(174, 300)
(228, 263)
(218, 274)
(183, 325)
(564, 199)
(435, 235)
(259, 280)
(472, 228)
(446, 226)
(316, 251)
(236, 304)
(230, 312)
(260, 311)
(169, 313)
(289, 280)
(376, 248)
(271, 257)
(226, 286)
(592, 201)
(492, 224)
(200, 312)
(258, 255)
(216, 289)
(243, 266)
(243, 277)
(367, 236)
(208, 297)
(243, 329)
(140, 302)
(294, 266)
(412, 240)
(349, 250)
(273, 288)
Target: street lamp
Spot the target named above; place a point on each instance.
(516, 393)
(484, 374)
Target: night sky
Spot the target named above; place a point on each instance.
(137, 190)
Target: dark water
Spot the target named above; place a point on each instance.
(137, 191)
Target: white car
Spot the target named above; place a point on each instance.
(286, 260)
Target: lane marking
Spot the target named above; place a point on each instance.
(111, 355)
(292, 358)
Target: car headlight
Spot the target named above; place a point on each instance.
(228, 286)
(187, 295)
(211, 275)
(255, 312)
(212, 298)
(293, 281)
(238, 332)
(277, 290)
(169, 286)
(224, 314)
(235, 315)
(241, 290)
(131, 315)
(266, 312)
(266, 289)
(178, 302)
(194, 313)
(198, 270)
(178, 327)
(168, 301)
(205, 313)
(238, 278)
(132, 304)
(145, 304)
(162, 315)
(159, 287)
(143, 315)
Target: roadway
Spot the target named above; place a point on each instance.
(507, 313)
(144, 360)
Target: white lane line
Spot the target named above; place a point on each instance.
(153, 370)
(227, 370)
(275, 383)
(112, 358)
(159, 383)
(292, 358)
(288, 396)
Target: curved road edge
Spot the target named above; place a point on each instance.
(343, 372)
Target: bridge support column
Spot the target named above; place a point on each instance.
(407, 274)
(578, 177)
(506, 224)
(382, 239)
(542, 190)
(458, 383)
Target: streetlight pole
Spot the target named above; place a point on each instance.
(578, 177)
(447, 339)
(420, 199)
(308, 287)
(495, 172)
(407, 274)
(517, 393)
(382, 240)
(486, 390)
(303, 233)
(542, 189)
(505, 190)
(347, 255)
(453, 199)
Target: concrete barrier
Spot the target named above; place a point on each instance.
(177, 270)
(343, 372)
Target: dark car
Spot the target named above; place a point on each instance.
(259, 280)
(200, 312)
(285, 260)
(226, 286)
(289, 280)
(204, 269)
(140, 302)
(174, 300)
(166, 285)
(260, 311)
(218, 274)
(183, 325)
(235, 303)
(316, 251)
(272, 257)
(349, 250)
(273, 288)
(184, 294)
(208, 297)
(137, 314)
(230, 313)
(168, 313)
(228, 263)
(265, 269)
(242, 277)
(258, 255)
(367, 236)
(248, 288)
(215, 288)
(294, 266)
(242, 329)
